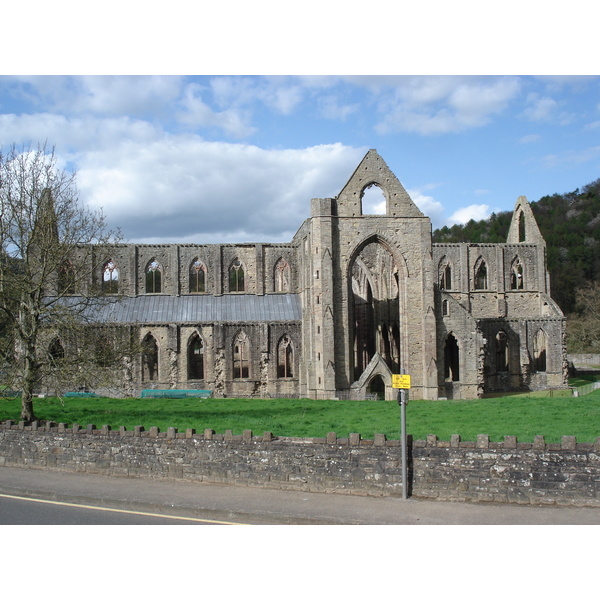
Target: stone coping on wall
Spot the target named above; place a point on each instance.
(510, 442)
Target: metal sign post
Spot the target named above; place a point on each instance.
(402, 383)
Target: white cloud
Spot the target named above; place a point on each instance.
(428, 205)
(546, 109)
(182, 188)
(437, 105)
(196, 113)
(100, 95)
(476, 212)
(330, 108)
(283, 94)
(530, 139)
(571, 157)
(540, 108)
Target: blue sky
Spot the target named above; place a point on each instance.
(234, 157)
(238, 158)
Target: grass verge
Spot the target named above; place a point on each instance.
(522, 415)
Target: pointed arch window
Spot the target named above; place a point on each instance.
(149, 359)
(481, 275)
(281, 276)
(153, 277)
(195, 357)
(197, 277)
(104, 351)
(451, 359)
(241, 356)
(373, 200)
(110, 278)
(446, 277)
(516, 275)
(539, 352)
(522, 234)
(236, 276)
(66, 278)
(501, 352)
(56, 351)
(285, 358)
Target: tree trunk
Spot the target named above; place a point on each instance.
(27, 413)
(29, 380)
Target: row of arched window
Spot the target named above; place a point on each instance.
(197, 277)
(480, 275)
(241, 357)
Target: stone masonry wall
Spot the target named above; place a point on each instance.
(510, 472)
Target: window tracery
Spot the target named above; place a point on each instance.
(516, 275)
(282, 276)
(197, 283)
(241, 356)
(236, 276)
(481, 275)
(110, 278)
(285, 357)
(153, 277)
(446, 277)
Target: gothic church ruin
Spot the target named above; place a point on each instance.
(351, 300)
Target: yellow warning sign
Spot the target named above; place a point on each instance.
(401, 382)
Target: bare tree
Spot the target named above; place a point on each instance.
(583, 326)
(51, 246)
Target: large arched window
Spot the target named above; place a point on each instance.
(481, 275)
(236, 276)
(374, 306)
(241, 356)
(197, 277)
(539, 352)
(149, 358)
(281, 276)
(285, 357)
(110, 278)
(195, 357)
(153, 277)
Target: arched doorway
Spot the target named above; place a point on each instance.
(377, 388)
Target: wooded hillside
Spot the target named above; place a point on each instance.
(570, 224)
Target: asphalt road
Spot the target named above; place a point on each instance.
(15, 510)
(247, 505)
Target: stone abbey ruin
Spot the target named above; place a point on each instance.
(351, 300)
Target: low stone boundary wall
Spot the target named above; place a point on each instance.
(583, 360)
(512, 472)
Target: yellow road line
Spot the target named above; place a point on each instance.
(118, 510)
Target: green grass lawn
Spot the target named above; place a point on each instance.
(524, 415)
